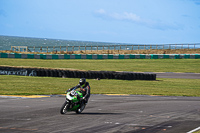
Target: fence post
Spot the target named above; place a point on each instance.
(120, 47)
(97, 48)
(41, 49)
(144, 47)
(85, 48)
(47, 49)
(103, 47)
(66, 49)
(34, 48)
(72, 48)
(53, 48)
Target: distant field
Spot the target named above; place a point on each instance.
(22, 85)
(135, 65)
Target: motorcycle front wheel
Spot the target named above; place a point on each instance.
(64, 108)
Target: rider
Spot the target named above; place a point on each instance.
(84, 89)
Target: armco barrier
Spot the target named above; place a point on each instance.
(4, 70)
(100, 56)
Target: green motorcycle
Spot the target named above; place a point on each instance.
(72, 102)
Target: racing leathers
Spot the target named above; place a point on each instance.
(85, 90)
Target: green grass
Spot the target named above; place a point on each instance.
(135, 65)
(22, 85)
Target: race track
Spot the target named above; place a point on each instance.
(176, 75)
(103, 114)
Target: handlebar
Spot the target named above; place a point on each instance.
(70, 90)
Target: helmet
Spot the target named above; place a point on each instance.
(82, 82)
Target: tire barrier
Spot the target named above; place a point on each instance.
(5, 70)
(99, 56)
(75, 74)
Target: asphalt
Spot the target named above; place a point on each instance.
(176, 75)
(103, 114)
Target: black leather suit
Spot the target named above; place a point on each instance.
(84, 90)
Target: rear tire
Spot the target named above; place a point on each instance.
(82, 107)
(64, 108)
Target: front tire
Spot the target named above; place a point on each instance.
(64, 108)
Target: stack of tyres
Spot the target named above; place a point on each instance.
(64, 74)
(38, 72)
(47, 73)
(83, 74)
(70, 74)
(141, 76)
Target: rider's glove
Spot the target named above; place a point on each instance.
(83, 98)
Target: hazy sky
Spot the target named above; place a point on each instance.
(118, 21)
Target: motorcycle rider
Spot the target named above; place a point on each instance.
(84, 89)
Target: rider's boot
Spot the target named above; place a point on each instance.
(82, 106)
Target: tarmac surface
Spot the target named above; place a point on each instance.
(177, 75)
(103, 114)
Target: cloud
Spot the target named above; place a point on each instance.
(124, 16)
(127, 16)
(100, 11)
(134, 18)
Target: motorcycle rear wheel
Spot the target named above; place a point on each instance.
(82, 107)
(64, 108)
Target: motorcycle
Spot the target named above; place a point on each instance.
(72, 102)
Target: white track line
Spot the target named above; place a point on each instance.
(196, 129)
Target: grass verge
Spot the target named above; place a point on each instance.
(22, 85)
(135, 65)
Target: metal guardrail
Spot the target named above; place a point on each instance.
(47, 49)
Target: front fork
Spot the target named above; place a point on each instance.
(69, 103)
(72, 104)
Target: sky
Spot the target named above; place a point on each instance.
(115, 21)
